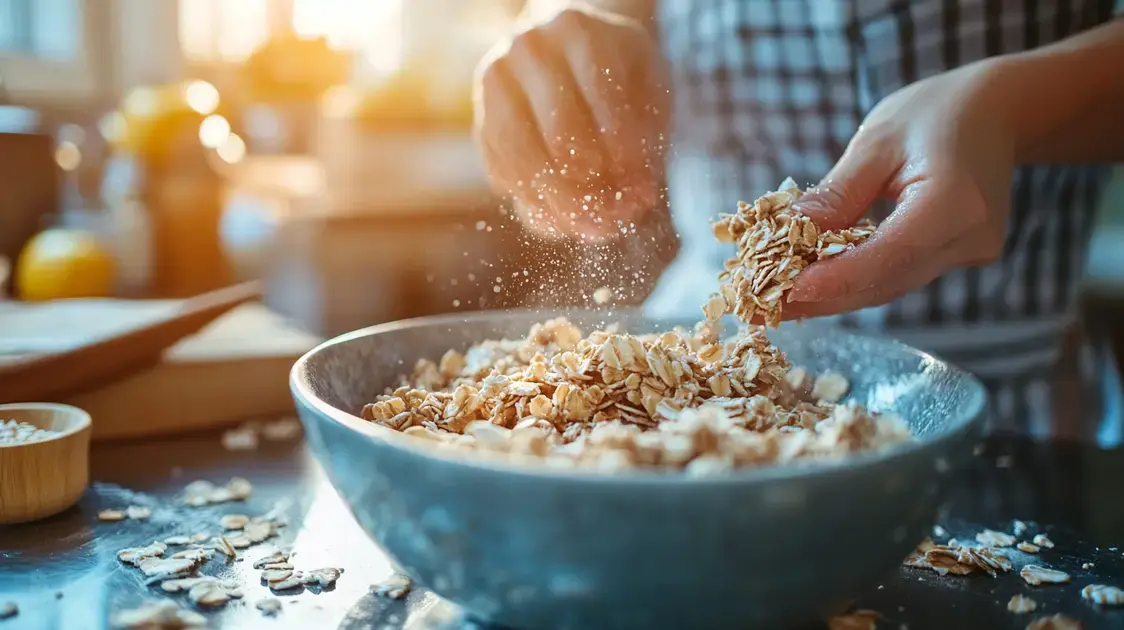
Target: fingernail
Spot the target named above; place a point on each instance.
(801, 293)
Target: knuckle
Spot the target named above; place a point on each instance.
(568, 18)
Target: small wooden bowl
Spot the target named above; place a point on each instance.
(41, 479)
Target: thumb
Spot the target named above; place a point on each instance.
(856, 181)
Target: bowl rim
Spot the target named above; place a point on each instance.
(84, 421)
(481, 462)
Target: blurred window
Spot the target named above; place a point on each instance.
(224, 30)
(44, 45)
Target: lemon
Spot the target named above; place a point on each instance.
(63, 263)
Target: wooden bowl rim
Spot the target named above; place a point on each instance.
(82, 417)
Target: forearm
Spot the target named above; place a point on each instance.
(1066, 100)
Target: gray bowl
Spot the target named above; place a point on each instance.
(536, 548)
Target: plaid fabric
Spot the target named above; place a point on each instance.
(774, 88)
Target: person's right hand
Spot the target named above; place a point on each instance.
(571, 118)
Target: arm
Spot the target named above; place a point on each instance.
(1067, 99)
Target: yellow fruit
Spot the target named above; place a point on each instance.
(62, 263)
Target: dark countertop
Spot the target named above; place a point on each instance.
(63, 573)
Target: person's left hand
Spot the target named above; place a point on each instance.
(941, 150)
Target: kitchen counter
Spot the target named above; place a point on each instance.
(64, 575)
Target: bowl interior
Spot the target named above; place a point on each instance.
(934, 397)
(64, 419)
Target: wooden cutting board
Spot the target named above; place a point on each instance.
(236, 368)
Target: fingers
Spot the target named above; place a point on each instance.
(855, 182)
(911, 248)
(506, 131)
(568, 127)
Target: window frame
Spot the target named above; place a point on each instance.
(29, 78)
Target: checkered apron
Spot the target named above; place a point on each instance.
(773, 88)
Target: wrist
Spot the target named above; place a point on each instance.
(1046, 97)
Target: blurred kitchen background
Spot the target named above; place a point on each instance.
(171, 147)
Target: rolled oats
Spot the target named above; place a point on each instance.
(1037, 575)
(177, 541)
(858, 620)
(1103, 595)
(774, 244)
(234, 521)
(956, 559)
(1020, 604)
(111, 516)
(201, 493)
(617, 402)
(1027, 547)
(993, 538)
(1043, 541)
(138, 512)
(274, 558)
(135, 555)
(8, 610)
(323, 577)
(164, 615)
(1054, 622)
(268, 607)
(396, 586)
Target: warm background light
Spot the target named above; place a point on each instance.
(201, 97)
(214, 131)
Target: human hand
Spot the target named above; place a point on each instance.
(941, 149)
(571, 117)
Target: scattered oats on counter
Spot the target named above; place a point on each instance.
(956, 559)
(1042, 541)
(164, 615)
(1028, 547)
(248, 436)
(111, 516)
(234, 521)
(858, 620)
(1086, 565)
(993, 538)
(200, 493)
(240, 439)
(1020, 604)
(774, 244)
(614, 401)
(268, 607)
(138, 512)
(13, 432)
(1036, 575)
(1054, 622)
(396, 586)
(8, 610)
(1103, 595)
(1019, 527)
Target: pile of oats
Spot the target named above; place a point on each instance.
(14, 433)
(774, 244)
(613, 401)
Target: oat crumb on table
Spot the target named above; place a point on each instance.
(396, 586)
(8, 610)
(1054, 622)
(1037, 575)
(1021, 604)
(858, 620)
(1103, 595)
